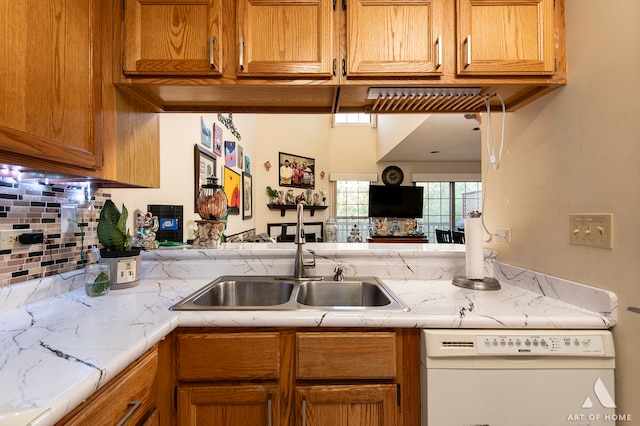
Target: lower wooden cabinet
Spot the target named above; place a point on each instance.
(331, 405)
(255, 405)
(129, 399)
(296, 377)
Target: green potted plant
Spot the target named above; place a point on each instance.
(273, 195)
(116, 250)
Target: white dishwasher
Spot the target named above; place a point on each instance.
(517, 377)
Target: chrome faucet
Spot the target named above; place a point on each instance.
(299, 240)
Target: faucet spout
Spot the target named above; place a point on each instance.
(299, 240)
(299, 237)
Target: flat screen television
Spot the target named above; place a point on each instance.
(395, 201)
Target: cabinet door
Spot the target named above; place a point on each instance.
(361, 405)
(253, 405)
(286, 38)
(50, 63)
(173, 38)
(506, 37)
(390, 38)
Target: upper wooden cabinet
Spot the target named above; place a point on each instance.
(173, 38)
(63, 117)
(325, 55)
(50, 85)
(387, 38)
(286, 38)
(506, 37)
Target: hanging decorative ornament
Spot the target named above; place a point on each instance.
(267, 165)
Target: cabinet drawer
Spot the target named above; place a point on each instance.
(350, 355)
(133, 394)
(225, 356)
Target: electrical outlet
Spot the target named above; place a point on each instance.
(503, 234)
(591, 230)
(66, 213)
(9, 239)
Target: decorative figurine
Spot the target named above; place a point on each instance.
(323, 192)
(208, 233)
(410, 227)
(146, 227)
(380, 224)
(289, 198)
(395, 228)
(354, 236)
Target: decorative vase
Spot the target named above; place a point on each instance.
(330, 230)
(212, 201)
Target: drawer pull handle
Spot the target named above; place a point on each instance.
(241, 53)
(439, 55)
(269, 409)
(467, 59)
(212, 62)
(304, 411)
(134, 405)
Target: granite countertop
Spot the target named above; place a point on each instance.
(56, 352)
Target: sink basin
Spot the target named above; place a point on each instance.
(272, 293)
(344, 294)
(239, 293)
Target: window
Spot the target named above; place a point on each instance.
(359, 119)
(352, 208)
(446, 204)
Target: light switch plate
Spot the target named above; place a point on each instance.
(591, 229)
(66, 213)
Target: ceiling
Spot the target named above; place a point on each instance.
(456, 137)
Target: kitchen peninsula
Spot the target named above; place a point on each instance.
(59, 350)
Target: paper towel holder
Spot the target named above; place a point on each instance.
(486, 283)
(483, 284)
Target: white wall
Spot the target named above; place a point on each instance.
(178, 135)
(577, 151)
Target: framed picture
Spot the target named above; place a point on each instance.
(230, 153)
(232, 190)
(247, 196)
(217, 140)
(297, 171)
(247, 165)
(204, 166)
(206, 133)
(240, 156)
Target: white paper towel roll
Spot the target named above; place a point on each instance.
(474, 247)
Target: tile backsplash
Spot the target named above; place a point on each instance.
(36, 207)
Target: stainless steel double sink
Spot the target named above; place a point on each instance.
(278, 293)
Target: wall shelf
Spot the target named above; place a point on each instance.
(284, 207)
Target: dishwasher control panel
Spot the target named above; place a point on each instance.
(528, 344)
